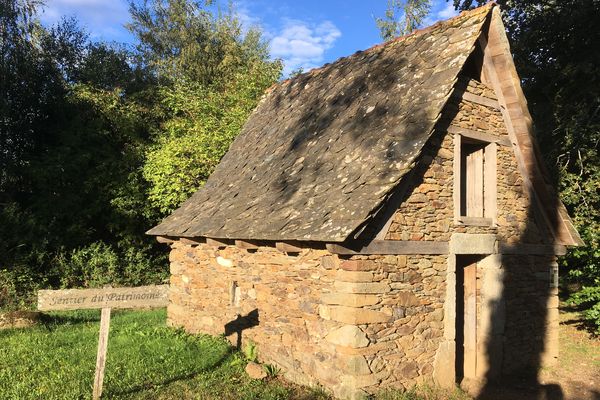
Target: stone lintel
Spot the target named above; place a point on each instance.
(473, 243)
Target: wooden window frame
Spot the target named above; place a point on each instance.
(489, 183)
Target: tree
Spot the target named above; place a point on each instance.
(211, 76)
(97, 142)
(402, 17)
(73, 133)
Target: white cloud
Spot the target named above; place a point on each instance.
(245, 16)
(104, 19)
(302, 45)
(441, 10)
(447, 12)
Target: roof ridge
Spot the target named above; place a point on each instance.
(417, 32)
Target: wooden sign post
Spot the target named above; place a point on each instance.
(106, 299)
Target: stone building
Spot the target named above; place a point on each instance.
(382, 221)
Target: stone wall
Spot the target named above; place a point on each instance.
(530, 333)
(350, 325)
(428, 210)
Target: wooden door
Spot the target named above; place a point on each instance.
(466, 317)
(470, 320)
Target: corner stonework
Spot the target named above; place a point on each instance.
(355, 287)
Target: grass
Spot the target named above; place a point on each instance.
(423, 392)
(146, 359)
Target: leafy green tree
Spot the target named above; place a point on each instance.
(402, 17)
(211, 76)
(74, 126)
(97, 143)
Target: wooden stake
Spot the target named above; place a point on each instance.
(101, 357)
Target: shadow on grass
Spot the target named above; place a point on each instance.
(53, 321)
(140, 388)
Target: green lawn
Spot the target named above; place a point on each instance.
(146, 360)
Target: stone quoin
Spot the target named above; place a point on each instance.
(382, 221)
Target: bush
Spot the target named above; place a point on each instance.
(96, 265)
(18, 288)
(100, 264)
(589, 298)
(93, 266)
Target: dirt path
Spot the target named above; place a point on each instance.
(578, 369)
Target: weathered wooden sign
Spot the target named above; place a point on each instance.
(106, 299)
(127, 297)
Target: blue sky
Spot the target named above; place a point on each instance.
(303, 34)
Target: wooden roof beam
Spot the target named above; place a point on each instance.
(219, 243)
(289, 247)
(249, 244)
(393, 247)
(166, 239)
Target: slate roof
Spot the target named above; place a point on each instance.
(324, 150)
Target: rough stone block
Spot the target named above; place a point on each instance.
(329, 262)
(361, 287)
(324, 312)
(350, 299)
(443, 365)
(407, 299)
(362, 381)
(357, 265)
(354, 276)
(350, 315)
(354, 364)
(348, 336)
(224, 262)
(255, 371)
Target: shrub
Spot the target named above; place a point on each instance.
(100, 264)
(93, 266)
(17, 288)
(589, 298)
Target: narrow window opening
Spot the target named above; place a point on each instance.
(234, 294)
(475, 196)
(472, 183)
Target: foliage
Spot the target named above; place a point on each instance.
(212, 78)
(17, 288)
(271, 370)
(589, 298)
(99, 142)
(145, 360)
(98, 265)
(250, 351)
(203, 123)
(182, 40)
(423, 392)
(402, 17)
